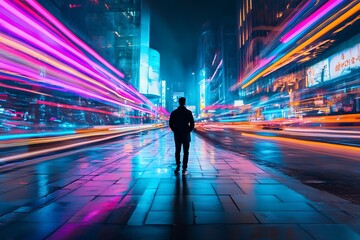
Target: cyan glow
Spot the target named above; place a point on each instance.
(31, 135)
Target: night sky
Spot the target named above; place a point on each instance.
(175, 30)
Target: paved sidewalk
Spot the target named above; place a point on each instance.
(131, 192)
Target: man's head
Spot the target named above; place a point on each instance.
(182, 101)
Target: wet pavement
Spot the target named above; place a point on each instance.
(127, 189)
(334, 168)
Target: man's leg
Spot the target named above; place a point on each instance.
(186, 154)
(177, 153)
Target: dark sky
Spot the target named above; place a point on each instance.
(175, 30)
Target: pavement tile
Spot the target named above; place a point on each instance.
(99, 183)
(291, 217)
(227, 188)
(258, 199)
(273, 206)
(142, 208)
(31, 231)
(170, 217)
(224, 217)
(207, 203)
(228, 204)
(124, 210)
(240, 231)
(115, 190)
(171, 202)
(88, 191)
(97, 210)
(330, 231)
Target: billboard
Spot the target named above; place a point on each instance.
(318, 73)
(337, 65)
(163, 93)
(149, 71)
(345, 61)
(202, 94)
(154, 86)
(144, 69)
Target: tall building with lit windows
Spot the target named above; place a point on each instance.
(216, 64)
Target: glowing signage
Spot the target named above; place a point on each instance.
(202, 94)
(163, 93)
(337, 65)
(318, 73)
(345, 61)
(238, 103)
(153, 86)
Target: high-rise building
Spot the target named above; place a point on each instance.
(216, 64)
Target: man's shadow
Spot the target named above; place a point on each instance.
(183, 209)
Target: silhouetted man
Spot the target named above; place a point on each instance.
(181, 123)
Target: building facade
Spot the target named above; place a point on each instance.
(216, 63)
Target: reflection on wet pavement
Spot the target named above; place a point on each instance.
(127, 189)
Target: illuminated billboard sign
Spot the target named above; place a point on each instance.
(144, 69)
(318, 73)
(345, 61)
(339, 64)
(149, 71)
(163, 93)
(153, 86)
(202, 94)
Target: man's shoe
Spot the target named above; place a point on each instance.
(184, 172)
(177, 170)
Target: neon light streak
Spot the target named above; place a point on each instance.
(316, 36)
(23, 89)
(310, 20)
(31, 135)
(62, 28)
(57, 53)
(59, 25)
(217, 69)
(70, 69)
(60, 105)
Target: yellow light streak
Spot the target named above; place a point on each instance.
(328, 148)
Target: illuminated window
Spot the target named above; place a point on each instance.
(240, 19)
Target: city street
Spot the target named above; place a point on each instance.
(126, 189)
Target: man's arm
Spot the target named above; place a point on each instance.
(171, 121)
(191, 120)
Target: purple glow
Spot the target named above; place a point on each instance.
(58, 54)
(71, 69)
(59, 25)
(310, 20)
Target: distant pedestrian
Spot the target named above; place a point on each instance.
(181, 123)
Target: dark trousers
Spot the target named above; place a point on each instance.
(186, 146)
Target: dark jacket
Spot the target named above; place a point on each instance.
(181, 123)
